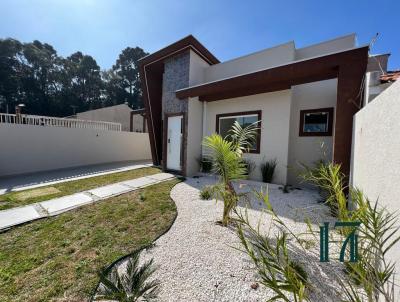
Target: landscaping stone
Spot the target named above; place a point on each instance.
(66, 203)
(161, 176)
(110, 190)
(16, 216)
(140, 182)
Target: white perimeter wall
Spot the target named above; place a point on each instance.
(376, 152)
(27, 149)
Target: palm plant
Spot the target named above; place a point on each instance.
(226, 155)
(131, 286)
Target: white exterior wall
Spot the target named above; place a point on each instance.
(270, 57)
(307, 149)
(275, 107)
(195, 136)
(116, 114)
(326, 47)
(195, 116)
(28, 149)
(376, 152)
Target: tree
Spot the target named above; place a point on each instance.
(84, 80)
(126, 76)
(10, 73)
(33, 73)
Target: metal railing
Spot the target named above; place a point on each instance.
(48, 121)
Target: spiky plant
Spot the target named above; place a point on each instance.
(226, 155)
(132, 286)
(267, 170)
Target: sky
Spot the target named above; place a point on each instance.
(102, 28)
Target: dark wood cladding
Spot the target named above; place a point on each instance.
(349, 101)
(179, 46)
(152, 92)
(259, 118)
(330, 111)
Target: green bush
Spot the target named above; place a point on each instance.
(205, 164)
(267, 170)
(206, 193)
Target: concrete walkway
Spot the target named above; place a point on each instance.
(40, 179)
(52, 207)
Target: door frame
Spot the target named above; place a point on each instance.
(183, 142)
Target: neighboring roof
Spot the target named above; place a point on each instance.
(107, 108)
(280, 77)
(188, 42)
(390, 76)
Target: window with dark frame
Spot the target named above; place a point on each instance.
(316, 122)
(224, 123)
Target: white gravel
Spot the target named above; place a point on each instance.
(196, 260)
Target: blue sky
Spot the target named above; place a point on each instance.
(227, 28)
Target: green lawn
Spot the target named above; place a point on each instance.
(58, 258)
(16, 199)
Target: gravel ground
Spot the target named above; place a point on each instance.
(196, 260)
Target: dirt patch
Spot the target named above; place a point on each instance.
(36, 193)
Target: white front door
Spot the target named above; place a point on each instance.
(174, 143)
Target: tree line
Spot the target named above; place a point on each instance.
(49, 84)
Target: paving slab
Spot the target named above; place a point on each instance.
(161, 176)
(66, 203)
(16, 216)
(140, 182)
(110, 190)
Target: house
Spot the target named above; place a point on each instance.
(131, 120)
(304, 97)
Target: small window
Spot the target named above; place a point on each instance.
(316, 122)
(225, 122)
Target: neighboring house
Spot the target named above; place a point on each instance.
(305, 99)
(131, 120)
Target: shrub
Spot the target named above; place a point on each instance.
(205, 164)
(206, 193)
(268, 169)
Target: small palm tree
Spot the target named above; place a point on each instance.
(226, 154)
(131, 286)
